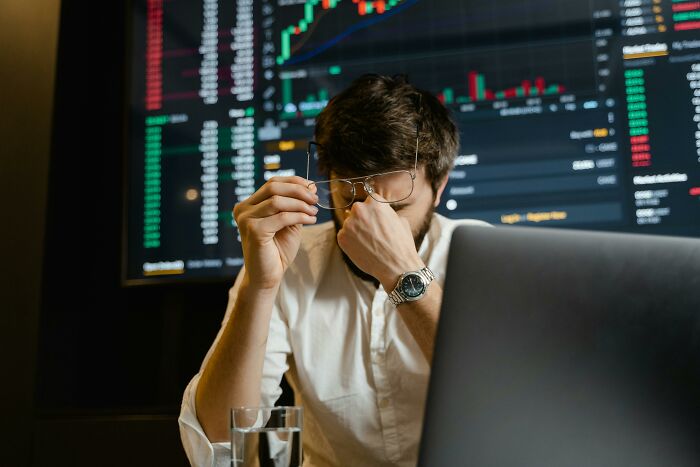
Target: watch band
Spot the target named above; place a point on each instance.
(397, 297)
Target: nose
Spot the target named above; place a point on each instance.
(361, 191)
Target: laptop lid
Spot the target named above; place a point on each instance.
(566, 348)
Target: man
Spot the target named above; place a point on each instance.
(346, 309)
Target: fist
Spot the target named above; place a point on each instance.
(379, 241)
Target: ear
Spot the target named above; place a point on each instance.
(440, 189)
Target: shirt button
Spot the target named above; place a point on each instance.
(384, 403)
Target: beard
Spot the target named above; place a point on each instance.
(417, 239)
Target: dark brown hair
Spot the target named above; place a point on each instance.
(370, 127)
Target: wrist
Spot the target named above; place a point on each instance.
(391, 276)
(261, 290)
(411, 286)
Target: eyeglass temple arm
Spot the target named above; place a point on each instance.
(418, 107)
(415, 162)
(308, 157)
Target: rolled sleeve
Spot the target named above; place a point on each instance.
(200, 452)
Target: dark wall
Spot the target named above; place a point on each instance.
(28, 32)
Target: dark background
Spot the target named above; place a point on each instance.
(93, 372)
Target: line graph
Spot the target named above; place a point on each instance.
(464, 52)
(380, 9)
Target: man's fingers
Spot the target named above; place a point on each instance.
(291, 187)
(274, 224)
(277, 203)
(291, 179)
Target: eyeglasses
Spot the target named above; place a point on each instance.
(386, 187)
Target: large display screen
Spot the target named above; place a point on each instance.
(572, 113)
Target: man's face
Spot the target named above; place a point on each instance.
(417, 208)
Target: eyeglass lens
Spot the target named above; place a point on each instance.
(390, 187)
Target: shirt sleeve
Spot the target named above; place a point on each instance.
(200, 451)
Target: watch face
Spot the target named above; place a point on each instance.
(412, 286)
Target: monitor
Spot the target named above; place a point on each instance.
(575, 114)
(566, 348)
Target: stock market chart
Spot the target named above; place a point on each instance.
(575, 114)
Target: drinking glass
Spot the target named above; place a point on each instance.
(266, 436)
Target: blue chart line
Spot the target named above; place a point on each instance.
(352, 29)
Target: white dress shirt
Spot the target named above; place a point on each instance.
(352, 362)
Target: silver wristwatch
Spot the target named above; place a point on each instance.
(411, 286)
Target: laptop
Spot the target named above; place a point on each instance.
(566, 348)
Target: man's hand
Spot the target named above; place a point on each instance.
(270, 225)
(379, 242)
